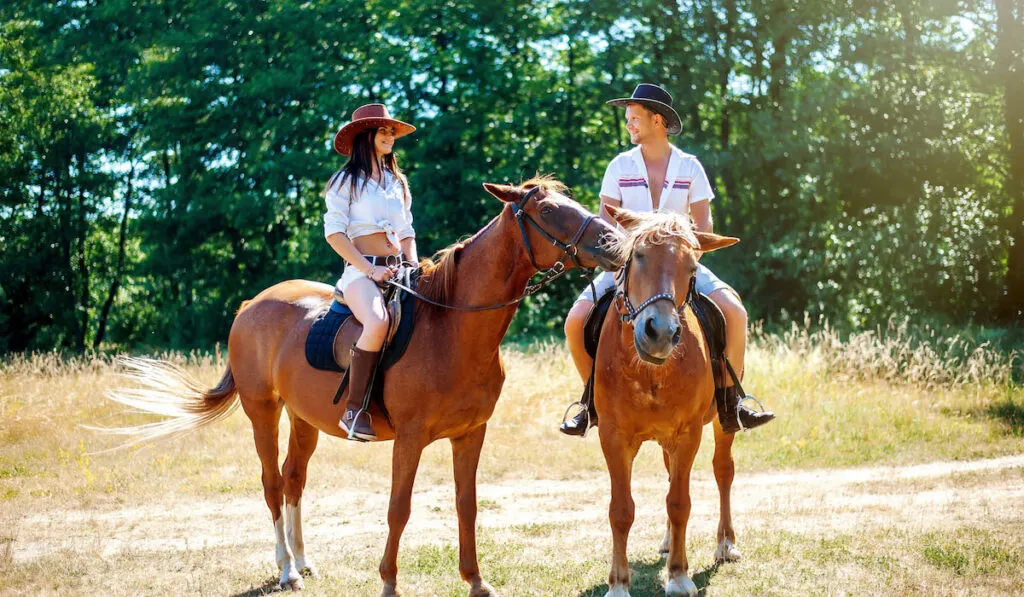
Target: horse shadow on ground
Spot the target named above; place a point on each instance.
(269, 587)
(646, 580)
(1010, 412)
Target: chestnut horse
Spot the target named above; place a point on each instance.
(653, 380)
(430, 394)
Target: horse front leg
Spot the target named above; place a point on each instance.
(405, 460)
(678, 505)
(725, 470)
(619, 453)
(466, 457)
(667, 540)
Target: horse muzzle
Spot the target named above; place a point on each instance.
(655, 336)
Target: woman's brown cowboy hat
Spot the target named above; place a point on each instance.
(655, 99)
(365, 117)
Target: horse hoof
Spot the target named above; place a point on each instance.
(727, 552)
(663, 548)
(390, 591)
(617, 591)
(307, 568)
(681, 586)
(294, 584)
(482, 590)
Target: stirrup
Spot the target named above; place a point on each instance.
(350, 431)
(586, 410)
(739, 404)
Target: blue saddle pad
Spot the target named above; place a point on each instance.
(320, 341)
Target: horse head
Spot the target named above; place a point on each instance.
(660, 253)
(557, 230)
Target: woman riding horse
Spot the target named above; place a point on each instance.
(369, 223)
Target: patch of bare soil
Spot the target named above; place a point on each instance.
(931, 496)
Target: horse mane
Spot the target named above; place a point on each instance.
(653, 228)
(437, 274)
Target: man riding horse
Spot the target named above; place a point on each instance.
(657, 176)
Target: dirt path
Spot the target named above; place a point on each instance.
(928, 496)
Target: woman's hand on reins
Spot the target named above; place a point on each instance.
(380, 273)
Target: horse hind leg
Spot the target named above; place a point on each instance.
(301, 444)
(725, 470)
(265, 414)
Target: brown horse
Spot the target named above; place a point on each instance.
(654, 381)
(430, 394)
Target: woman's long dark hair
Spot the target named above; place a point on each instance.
(359, 166)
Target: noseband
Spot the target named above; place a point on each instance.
(634, 312)
(570, 249)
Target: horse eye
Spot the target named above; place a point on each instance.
(546, 210)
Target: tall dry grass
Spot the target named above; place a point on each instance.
(868, 398)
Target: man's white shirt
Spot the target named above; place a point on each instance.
(686, 182)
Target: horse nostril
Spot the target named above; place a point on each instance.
(649, 329)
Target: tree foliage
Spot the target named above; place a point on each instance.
(163, 161)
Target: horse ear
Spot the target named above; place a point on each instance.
(506, 193)
(710, 242)
(623, 216)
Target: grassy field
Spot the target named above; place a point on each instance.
(832, 498)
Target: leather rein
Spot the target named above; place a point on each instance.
(570, 250)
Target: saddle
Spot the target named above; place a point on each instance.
(335, 331)
(710, 317)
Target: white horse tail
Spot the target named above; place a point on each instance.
(162, 388)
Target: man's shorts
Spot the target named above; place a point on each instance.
(707, 282)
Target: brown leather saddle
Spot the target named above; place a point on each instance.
(348, 332)
(710, 317)
(334, 331)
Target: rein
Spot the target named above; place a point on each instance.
(570, 249)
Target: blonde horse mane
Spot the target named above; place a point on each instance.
(652, 228)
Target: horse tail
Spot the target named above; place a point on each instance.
(162, 388)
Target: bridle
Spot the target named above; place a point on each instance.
(569, 250)
(622, 290)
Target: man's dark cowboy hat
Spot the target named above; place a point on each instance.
(365, 117)
(655, 99)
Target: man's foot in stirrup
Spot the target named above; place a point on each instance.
(579, 423)
(356, 425)
(734, 416)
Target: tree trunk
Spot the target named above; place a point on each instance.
(82, 232)
(101, 329)
(1010, 65)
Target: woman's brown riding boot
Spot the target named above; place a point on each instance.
(734, 416)
(356, 420)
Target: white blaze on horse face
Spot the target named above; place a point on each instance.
(290, 577)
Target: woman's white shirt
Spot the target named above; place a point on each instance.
(358, 210)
